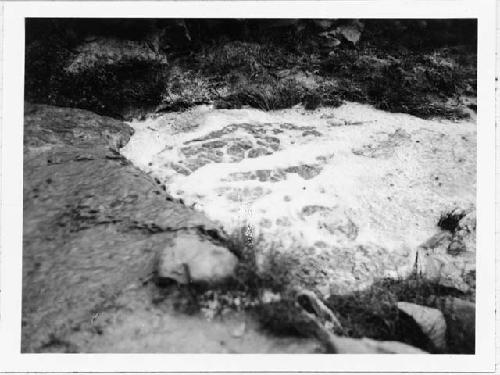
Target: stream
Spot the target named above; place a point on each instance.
(348, 193)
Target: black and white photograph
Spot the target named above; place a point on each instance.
(249, 186)
(264, 186)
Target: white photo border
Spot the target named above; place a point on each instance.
(11, 213)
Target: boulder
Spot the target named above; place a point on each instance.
(192, 257)
(431, 322)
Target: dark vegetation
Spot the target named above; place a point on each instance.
(373, 312)
(425, 68)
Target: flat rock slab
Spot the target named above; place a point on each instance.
(93, 224)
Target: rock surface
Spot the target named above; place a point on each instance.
(192, 258)
(431, 322)
(448, 257)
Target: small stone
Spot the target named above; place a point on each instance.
(268, 296)
(193, 258)
(239, 330)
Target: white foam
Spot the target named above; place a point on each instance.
(384, 174)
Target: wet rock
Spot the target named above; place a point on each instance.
(238, 149)
(431, 322)
(277, 175)
(190, 150)
(214, 144)
(305, 171)
(256, 152)
(192, 257)
(308, 171)
(214, 155)
(313, 133)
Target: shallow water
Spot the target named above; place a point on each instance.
(322, 183)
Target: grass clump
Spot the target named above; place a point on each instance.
(259, 287)
(264, 96)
